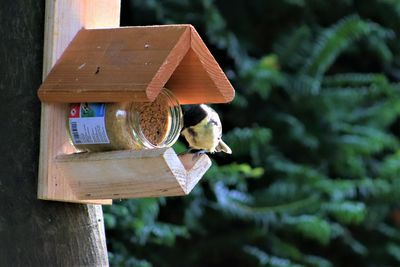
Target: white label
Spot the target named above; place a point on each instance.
(88, 131)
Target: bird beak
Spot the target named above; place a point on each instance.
(223, 147)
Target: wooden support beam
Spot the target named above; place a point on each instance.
(63, 19)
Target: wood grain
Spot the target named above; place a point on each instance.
(63, 19)
(199, 78)
(190, 82)
(132, 174)
(131, 63)
(212, 68)
(134, 64)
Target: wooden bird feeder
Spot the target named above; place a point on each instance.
(97, 64)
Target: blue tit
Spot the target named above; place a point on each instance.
(202, 129)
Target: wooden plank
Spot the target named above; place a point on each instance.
(100, 14)
(191, 83)
(132, 174)
(212, 68)
(196, 166)
(111, 65)
(63, 19)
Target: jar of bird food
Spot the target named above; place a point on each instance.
(127, 125)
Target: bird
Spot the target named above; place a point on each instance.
(203, 129)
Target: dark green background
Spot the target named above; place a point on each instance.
(314, 129)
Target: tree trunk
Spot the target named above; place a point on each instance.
(34, 232)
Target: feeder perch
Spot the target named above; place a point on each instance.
(116, 64)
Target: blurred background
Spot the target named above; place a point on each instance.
(314, 129)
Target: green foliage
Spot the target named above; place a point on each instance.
(249, 141)
(334, 40)
(394, 250)
(314, 175)
(310, 227)
(347, 212)
(140, 218)
(135, 222)
(266, 260)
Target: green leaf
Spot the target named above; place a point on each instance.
(334, 40)
(110, 221)
(311, 227)
(285, 249)
(249, 141)
(390, 167)
(267, 260)
(347, 212)
(242, 205)
(317, 261)
(393, 250)
(355, 80)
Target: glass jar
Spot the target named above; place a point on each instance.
(127, 125)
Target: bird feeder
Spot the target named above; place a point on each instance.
(113, 65)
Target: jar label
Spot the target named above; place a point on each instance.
(87, 124)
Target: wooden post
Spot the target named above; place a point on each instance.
(63, 20)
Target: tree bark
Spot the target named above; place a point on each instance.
(34, 232)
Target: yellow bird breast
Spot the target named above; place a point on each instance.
(202, 136)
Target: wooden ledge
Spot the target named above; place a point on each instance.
(131, 173)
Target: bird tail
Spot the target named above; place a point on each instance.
(223, 147)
